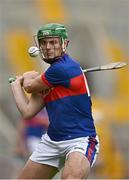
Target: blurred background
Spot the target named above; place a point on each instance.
(99, 34)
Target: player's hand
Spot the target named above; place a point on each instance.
(19, 80)
(29, 77)
(30, 74)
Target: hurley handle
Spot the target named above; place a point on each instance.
(12, 79)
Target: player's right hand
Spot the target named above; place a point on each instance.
(16, 79)
(30, 74)
(20, 79)
(28, 77)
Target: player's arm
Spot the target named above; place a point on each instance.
(55, 75)
(28, 107)
(21, 148)
(35, 84)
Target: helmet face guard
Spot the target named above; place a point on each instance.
(51, 30)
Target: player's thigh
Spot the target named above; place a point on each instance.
(76, 166)
(33, 170)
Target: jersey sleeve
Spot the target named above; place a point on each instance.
(56, 75)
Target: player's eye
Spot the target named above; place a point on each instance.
(43, 43)
(52, 42)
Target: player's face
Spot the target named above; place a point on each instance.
(50, 47)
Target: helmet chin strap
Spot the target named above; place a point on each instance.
(63, 46)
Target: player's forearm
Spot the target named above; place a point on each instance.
(20, 97)
(27, 85)
(34, 85)
(30, 83)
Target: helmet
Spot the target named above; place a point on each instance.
(53, 29)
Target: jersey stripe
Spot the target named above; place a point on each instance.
(43, 78)
(77, 87)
